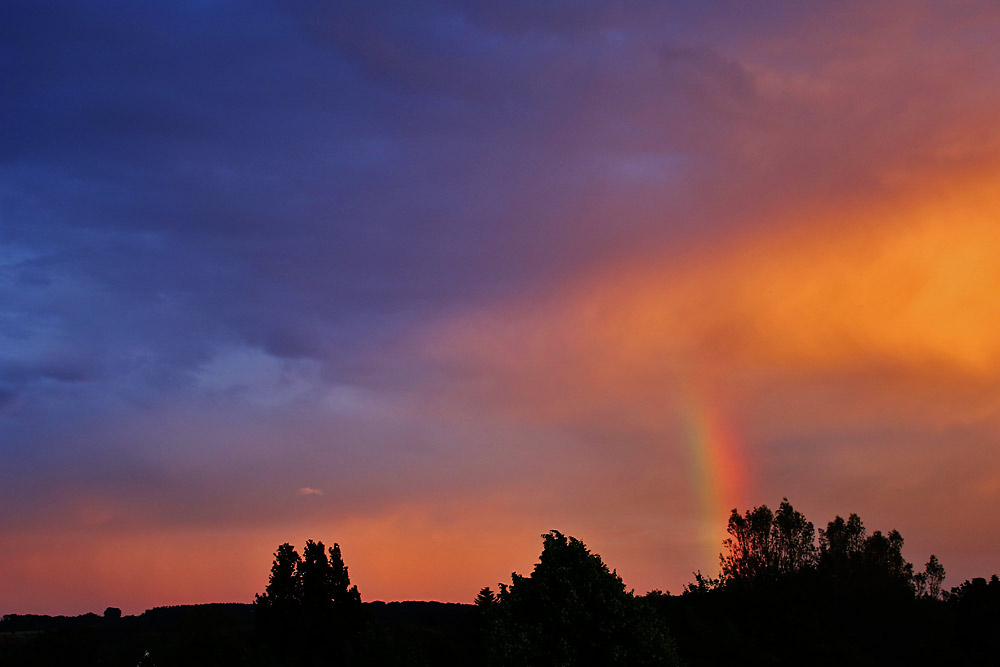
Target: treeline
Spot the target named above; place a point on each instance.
(217, 635)
(788, 594)
(220, 634)
(785, 594)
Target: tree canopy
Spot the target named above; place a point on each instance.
(572, 610)
(765, 547)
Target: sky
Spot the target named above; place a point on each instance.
(431, 279)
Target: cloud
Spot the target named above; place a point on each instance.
(261, 379)
(904, 291)
(852, 358)
(309, 491)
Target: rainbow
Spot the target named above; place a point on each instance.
(718, 469)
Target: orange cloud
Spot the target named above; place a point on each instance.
(904, 288)
(855, 350)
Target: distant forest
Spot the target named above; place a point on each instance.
(785, 594)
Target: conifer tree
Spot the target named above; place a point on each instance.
(309, 602)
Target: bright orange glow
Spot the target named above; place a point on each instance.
(884, 303)
(409, 554)
(909, 286)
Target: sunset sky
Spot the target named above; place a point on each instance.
(429, 279)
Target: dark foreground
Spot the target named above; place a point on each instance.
(710, 628)
(396, 633)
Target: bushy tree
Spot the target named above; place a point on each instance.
(856, 562)
(977, 593)
(794, 539)
(884, 555)
(749, 545)
(842, 542)
(572, 611)
(763, 545)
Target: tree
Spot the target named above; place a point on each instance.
(345, 596)
(486, 598)
(309, 600)
(572, 610)
(978, 594)
(884, 555)
(842, 541)
(927, 584)
(315, 581)
(763, 546)
(851, 562)
(277, 608)
(793, 539)
(701, 585)
(749, 545)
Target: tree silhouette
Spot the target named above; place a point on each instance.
(345, 599)
(794, 537)
(309, 607)
(927, 584)
(847, 545)
(782, 596)
(749, 545)
(572, 610)
(486, 598)
(861, 563)
(763, 546)
(884, 556)
(977, 592)
(841, 542)
(872, 565)
(278, 607)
